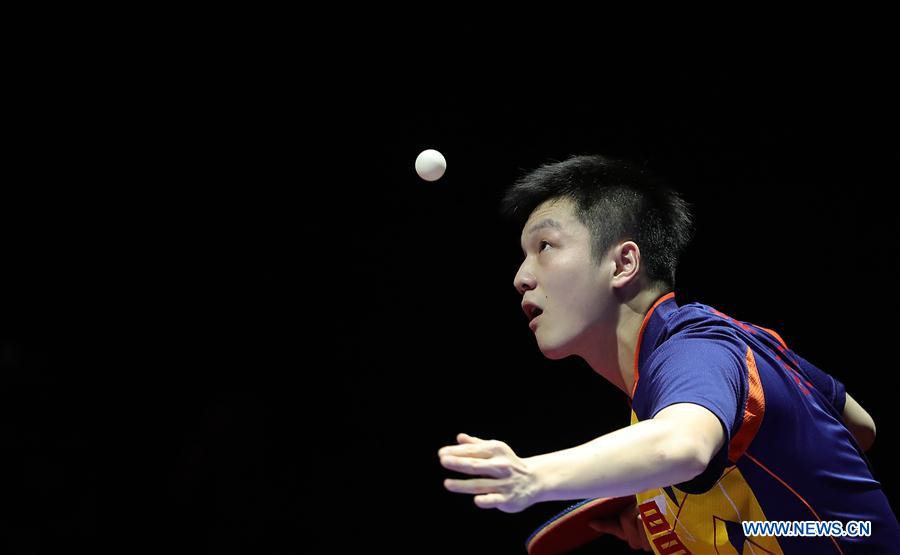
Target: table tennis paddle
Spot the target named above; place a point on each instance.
(569, 529)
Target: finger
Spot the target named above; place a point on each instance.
(476, 467)
(468, 450)
(490, 500)
(629, 523)
(472, 486)
(466, 438)
(608, 526)
(645, 539)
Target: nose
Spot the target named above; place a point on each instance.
(524, 280)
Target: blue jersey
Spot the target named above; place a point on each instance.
(787, 454)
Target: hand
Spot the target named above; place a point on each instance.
(627, 527)
(508, 483)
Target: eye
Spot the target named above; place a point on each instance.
(543, 245)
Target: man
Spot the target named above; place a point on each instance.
(728, 424)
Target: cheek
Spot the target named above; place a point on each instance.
(586, 306)
(579, 292)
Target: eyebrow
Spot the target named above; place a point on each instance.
(546, 222)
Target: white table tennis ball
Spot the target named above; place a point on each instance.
(430, 165)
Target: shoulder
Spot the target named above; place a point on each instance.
(697, 329)
(694, 316)
(698, 351)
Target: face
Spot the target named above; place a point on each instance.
(566, 294)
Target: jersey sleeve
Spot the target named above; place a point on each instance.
(832, 389)
(701, 370)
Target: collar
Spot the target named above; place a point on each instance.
(652, 327)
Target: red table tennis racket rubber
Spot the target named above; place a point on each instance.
(569, 529)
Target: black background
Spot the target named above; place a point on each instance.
(230, 294)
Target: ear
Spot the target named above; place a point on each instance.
(627, 259)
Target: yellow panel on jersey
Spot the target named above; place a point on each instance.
(678, 523)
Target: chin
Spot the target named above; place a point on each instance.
(556, 348)
(554, 352)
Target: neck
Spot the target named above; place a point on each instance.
(613, 358)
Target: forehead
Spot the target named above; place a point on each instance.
(560, 210)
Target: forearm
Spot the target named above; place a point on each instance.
(859, 422)
(653, 453)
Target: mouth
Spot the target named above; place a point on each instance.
(532, 311)
(532, 325)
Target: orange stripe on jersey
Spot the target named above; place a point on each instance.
(754, 411)
(797, 495)
(775, 335)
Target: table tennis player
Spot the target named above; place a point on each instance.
(728, 424)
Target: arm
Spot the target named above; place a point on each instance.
(674, 446)
(860, 424)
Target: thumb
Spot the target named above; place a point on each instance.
(466, 438)
(608, 526)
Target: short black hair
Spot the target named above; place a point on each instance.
(616, 200)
